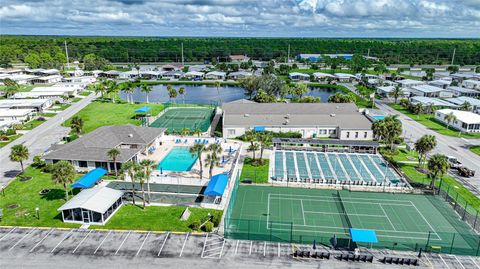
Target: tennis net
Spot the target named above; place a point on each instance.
(177, 117)
(344, 212)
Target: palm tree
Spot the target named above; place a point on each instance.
(197, 132)
(253, 147)
(112, 89)
(76, 124)
(430, 108)
(212, 160)
(19, 153)
(148, 167)
(181, 91)
(146, 89)
(251, 136)
(172, 93)
(437, 166)
(184, 131)
(196, 150)
(63, 173)
(130, 168)
(113, 154)
(141, 177)
(417, 109)
(423, 146)
(217, 85)
(466, 106)
(265, 140)
(11, 87)
(449, 118)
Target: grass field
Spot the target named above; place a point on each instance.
(10, 139)
(428, 120)
(21, 88)
(475, 149)
(304, 215)
(99, 114)
(157, 218)
(258, 174)
(26, 196)
(32, 124)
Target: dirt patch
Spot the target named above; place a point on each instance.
(422, 170)
(13, 206)
(20, 213)
(24, 178)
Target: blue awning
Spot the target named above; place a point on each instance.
(144, 109)
(363, 236)
(259, 128)
(217, 185)
(89, 178)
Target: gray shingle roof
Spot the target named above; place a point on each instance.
(345, 116)
(95, 145)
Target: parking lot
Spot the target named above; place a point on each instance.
(206, 250)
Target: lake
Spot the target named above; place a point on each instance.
(207, 94)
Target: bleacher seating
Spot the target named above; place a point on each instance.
(355, 258)
(399, 261)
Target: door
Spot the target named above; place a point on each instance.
(86, 216)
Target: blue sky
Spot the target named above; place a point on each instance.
(268, 18)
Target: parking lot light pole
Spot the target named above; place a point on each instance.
(37, 211)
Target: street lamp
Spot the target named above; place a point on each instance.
(37, 211)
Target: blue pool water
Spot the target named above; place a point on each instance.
(378, 117)
(178, 159)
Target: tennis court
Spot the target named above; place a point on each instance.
(175, 119)
(343, 167)
(402, 221)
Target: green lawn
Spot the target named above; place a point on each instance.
(85, 93)
(61, 107)
(402, 155)
(258, 174)
(10, 139)
(99, 114)
(475, 149)
(157, 218)
(76, 99)
(21, 88)
(48, 115)
(428, 120)
(26, 196)
(32, 124)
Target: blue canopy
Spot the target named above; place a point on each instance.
(144, 109)
(363, 236)
(217, 184)
(259, 128)
(89, 178)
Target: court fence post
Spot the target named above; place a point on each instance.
(248, 233)
(478, 246)
(465, 210)
(456, 198)
(475, 221)
(270, 230)
(451, 245)
(291, 232)
(428, 241)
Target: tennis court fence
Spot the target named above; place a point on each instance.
(233, 197)
(258, 230)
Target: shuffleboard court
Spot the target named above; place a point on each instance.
(174, 119)
(401, 221)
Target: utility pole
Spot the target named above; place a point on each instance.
(66, 53)
(182, 54)
(453, 56)
(288, 54)
(368, 54)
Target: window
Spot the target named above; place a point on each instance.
(82, 164)
(365, 135)
(231, 131)
(348, 134)
(356, 134)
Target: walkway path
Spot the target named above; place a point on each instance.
(39, 139)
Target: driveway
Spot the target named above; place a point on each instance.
(39, 139)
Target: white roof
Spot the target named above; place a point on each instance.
(471, 81)
(7, 103)
(14, 112)
(97, 199)
(344, 75)
(321, 75)
(49, 71)
(386, 88)
(57, 88)
(427, 88)
(407, 82)
(216, 73)
(7, 123)
(462, 89)
(298, 74)
(49, 77)
(462, 99)
(21, 77)
(194, 73)
(463, 116)
(440, 82)
(429, 100)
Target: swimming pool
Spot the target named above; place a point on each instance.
(178, 159)
(378, 117)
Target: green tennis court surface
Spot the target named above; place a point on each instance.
(401, 221)
(177, 118)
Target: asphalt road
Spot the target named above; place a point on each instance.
(39, 139)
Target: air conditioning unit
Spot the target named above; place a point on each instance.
(286, 122)
(246, 115)
(332, 115)
(287, 116)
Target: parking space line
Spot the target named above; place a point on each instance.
(236, 247)
(279, 249)
(163, 244)
(474, 262)
(204, 245)
(221, 251)
(458, 261)
(21, 239)
(81, 242)
(444, 261)
(63, 239)
(143, 243)
(101, 243)
(251, 246)
(184, 242)
(13, 229)
(41, 240)
(123, 242)
(264, 248)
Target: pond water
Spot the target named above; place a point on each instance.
(206, 94)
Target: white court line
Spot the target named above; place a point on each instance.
(343, 199)
(303, 212)
(21, 239)
(41, 240)
(221, 251)
(385, 213)
(268, 209)
(61, 241)
(459, 261)
(474, 262)
(13, 229)
(123, 242)
(444, 261)
(279, 250)
(101, 243)
(334, 201)
(163, 244)
(264, 248)
(205, 244)
(143, 243)
(184, 242)
(81, 242)
(236, 247)
(423, 217)
(251, 245)
(340, 213)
